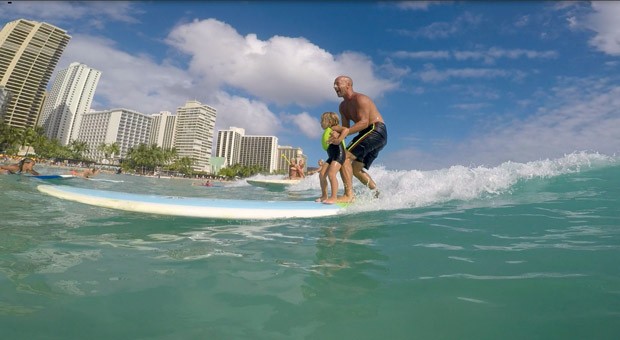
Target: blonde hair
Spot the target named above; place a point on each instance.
(330, 119)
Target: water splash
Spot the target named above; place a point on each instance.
(413, 188)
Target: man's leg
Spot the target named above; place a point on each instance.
(362, 176)
(346, 172)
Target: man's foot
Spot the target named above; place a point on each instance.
(320, 199)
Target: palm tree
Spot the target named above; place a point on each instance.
(148, 157)
(78, 148)
(109, 150)
(183, 165)
(30, 135)
(9, 138)
(114, 149)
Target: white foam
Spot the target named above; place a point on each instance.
(413, 188)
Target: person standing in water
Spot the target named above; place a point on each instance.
(336, 156)
(370, 139)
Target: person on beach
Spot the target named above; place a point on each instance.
(26, 165)
(336, 155)
(370, 139)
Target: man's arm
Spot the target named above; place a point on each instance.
(342, 131)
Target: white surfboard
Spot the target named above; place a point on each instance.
(194, 206)
(272, 183)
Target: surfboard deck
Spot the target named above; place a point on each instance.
(272, 183)
(202, 207)
(54, 176)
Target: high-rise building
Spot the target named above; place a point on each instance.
(29, 52)
(229, 145)
(238, 148)
(125, 127)
(193, 136)
(162, 131)
(261, 151)
(71, 96)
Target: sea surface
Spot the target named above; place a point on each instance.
(517, 251)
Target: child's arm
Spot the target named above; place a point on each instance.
(342, 131)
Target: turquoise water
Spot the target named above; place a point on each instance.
(517, 251)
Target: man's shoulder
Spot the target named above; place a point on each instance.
(360, 97)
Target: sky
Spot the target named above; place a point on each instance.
(457, 83)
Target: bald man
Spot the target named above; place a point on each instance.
(370, 139)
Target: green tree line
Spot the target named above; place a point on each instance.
(142, 158)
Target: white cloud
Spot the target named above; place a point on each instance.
(419, 5)
(470, 106)
(494, 53)
(442, 30)
(130, 81)
(422, 55)
(606, 23)
(523, 21)
(308, 125)
(488, 56)
(280, 70)
(254, 116)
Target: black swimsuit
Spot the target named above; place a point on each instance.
(336, 153)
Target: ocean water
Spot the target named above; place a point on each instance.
(517, 251)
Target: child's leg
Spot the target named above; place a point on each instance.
(332, 171)
(323, 181)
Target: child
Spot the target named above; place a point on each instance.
(336, 155)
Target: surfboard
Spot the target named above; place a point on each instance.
(272, 183)
(54, 176)
(202, 207)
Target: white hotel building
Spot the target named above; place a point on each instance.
(193, 135)
(229, 145)
(69, 99)
(260, 150)
(237, 148)
(162, 130)
(125, 127)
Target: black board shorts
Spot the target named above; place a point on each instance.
(368, 142)
(336, 153)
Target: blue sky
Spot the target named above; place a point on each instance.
(458, 83)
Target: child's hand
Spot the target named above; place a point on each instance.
(333, 138)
